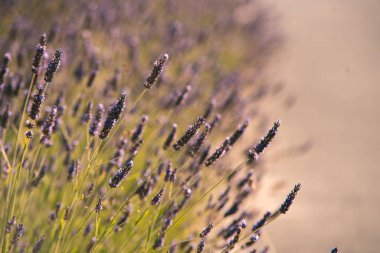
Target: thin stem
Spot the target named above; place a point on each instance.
(22, 117)
(5, 218)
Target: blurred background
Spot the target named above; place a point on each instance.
(331, 63)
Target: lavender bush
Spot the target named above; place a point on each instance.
(126, 129)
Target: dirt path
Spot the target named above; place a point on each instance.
(332, 63)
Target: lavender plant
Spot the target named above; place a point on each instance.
(110, 145)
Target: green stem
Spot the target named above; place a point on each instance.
(22, 117)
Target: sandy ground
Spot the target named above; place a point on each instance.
(331, 61)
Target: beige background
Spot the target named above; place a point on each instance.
(331, 62)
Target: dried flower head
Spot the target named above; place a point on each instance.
(201, 246)
(209, 109)
(73, 170)
(77, 105)
(6, 116)
(264, 142)
(87, 115)
(206, 230)
(20, 229)
(38, 99)
(253, 239)
(10, 223)
(99, 206)
(120, 174)
(157, 198)
(89, 190)
(118, 156)
(91, 244)
(170, 137)
(204, 154)
(260, 223)
(199, 142)
(43, 39)
(37, 179)
(191, 131)
(96, 123)
(123, 219)
(158, 67)
(93, 73)
(182, 96)
(47, 128)
(4, 67)
(38, 245)
(135, 149)
(159, 241)
(215, 121)
(289, 199)
(113, 115)
(39, 53)
(171, 174)
(137, 132)
(66, 216)
(238, 132)
(219, 152)
(53, 66)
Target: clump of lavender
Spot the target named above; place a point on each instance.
(73, 188)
